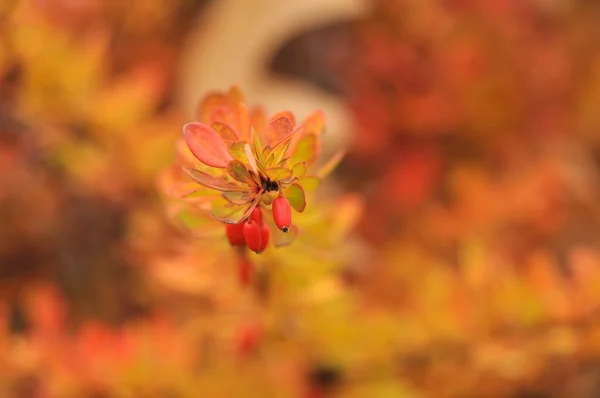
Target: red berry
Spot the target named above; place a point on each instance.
(248, 339)
(256, 215)
(264, 236)
(252, 236)
(246, 271)
(235, 234)
(282, 213)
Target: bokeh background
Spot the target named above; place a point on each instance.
(455, 252)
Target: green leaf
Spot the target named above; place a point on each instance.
(218, 183)
(238, 171)
(295, 194)
(258, 147)
(237, 151)
(250, 157)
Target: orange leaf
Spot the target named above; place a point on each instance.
(277, 129)
(315, 123)
(225, 131)
(287, 114)
(242, 121)
(206, 145)
(258, 120)
(209, 104)
(222, 115)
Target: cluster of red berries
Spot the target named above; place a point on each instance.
(253, 233)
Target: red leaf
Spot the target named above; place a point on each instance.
(206, 144)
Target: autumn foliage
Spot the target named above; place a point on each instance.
(449, 250)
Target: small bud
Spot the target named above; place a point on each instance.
(252, 236)
(235, 234)
(264, 236)
(282, 213)
(256, 215)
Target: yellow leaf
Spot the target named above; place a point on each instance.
(295, 195)
(305, 151)
(279, 173)
(331, 164)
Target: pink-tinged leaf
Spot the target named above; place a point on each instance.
(225, 131)
(206, 145)
(250, 158)
(305, 151)
(184, 155)
(238, 171)
(277, 129)
(295, 195)
(278, 173)
(218, 183)
(331, 164)
(239, 198)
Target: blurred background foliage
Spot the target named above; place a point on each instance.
(455, 252)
